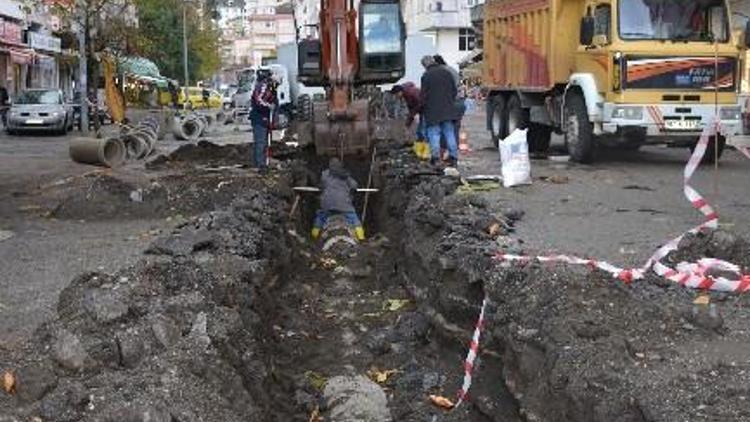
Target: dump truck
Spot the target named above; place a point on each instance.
(624, 72)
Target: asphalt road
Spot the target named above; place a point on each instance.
(622, 207)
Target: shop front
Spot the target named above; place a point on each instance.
(15, 56)
(44, 70)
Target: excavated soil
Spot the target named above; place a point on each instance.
(236, 315)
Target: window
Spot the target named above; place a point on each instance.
(603, 20)
(675, 21)
(438, 6)
(466, 39)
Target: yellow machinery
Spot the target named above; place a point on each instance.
(626, 72)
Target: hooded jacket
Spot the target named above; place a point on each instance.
(337, 185)
(438, 95)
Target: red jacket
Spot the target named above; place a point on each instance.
(413, 98)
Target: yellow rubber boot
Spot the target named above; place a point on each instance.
(359, 233)
(315, 233)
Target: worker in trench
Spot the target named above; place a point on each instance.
(337, 186)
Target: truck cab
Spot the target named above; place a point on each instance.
(635, 72)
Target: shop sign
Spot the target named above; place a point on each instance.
(10, 32)
(44, 42)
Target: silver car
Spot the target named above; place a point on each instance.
(40, 110)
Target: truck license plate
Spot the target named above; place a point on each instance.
(34, 121)
(682, 124)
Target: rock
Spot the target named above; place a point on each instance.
(131, 347)
(33, 382)
(706, 317)
(446, 263)
(64, 403)
(165, 331)
(104, 305)
(355, 399)
(305, 400)
(378, 342)
(182, 243)
(514, 214)
(68, 351)
(431, 381)
(412, 326)
(199, 331)
(723, 244)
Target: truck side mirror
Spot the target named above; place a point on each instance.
(747, 35)
(587, 30)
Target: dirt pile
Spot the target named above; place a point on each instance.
(571, 344)
(171, 338)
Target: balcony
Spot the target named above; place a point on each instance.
(446, 19)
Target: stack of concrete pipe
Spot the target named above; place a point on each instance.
(192, 126)
(135, 143)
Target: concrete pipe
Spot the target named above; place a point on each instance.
(190, 129)
(147, 138)
(109, 152)
(135, 145)
(177, 128)
(204, 125)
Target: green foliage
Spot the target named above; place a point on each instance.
(159, 38)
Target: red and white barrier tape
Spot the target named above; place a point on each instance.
(694, 275)
(472, 355)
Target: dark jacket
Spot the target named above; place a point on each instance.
(438, 96)
(337, 186)
(262, 101)
(412, 97)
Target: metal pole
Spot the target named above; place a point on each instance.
(185, 51)
(83, 78)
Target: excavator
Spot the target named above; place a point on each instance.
(355, 49)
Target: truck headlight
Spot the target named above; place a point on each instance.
(730, 113)
(628, 112)
(55, 114)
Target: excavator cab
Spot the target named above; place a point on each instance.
(382, 35)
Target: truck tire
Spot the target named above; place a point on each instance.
(711, 155)
(497, 119)
(579, 133)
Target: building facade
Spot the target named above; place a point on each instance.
(252, 29)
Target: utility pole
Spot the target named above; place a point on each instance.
(83, 76)
(185, 50)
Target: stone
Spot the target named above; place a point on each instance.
(431, 381)
(68, 351)
(181, 243)
(723, 244)
(33, 382)
(354, 399)
(165, 331)
(199, 330)
(412, 326)
(104, 305)
(131, 347)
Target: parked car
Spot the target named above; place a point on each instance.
(226, 97)
(40, 110)
(196, 98)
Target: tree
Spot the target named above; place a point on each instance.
(159, 38)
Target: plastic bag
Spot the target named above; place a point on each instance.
(514, 154)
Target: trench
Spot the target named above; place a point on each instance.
(327, 314)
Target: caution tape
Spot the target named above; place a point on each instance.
(472, 355)
(693, 275)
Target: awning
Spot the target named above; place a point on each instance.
(138, 66)
(20, 57)
(11, 9)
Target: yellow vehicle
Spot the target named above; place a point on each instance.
(625, 72)
(196, 99)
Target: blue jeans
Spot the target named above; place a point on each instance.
(321, 218)
(422, 129)
(260, 135)
(448, 130)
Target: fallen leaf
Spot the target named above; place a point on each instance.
(441, 401)
(394, 305)
(9, 382)
(381, 376)
(317, 380)
(494, 229)
(702, 300)
(328, 263)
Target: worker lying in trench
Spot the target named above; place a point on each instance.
(337, 187)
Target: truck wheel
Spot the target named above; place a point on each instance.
(579, 133)
(497, 119)
(712, 153)
(539, 137)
